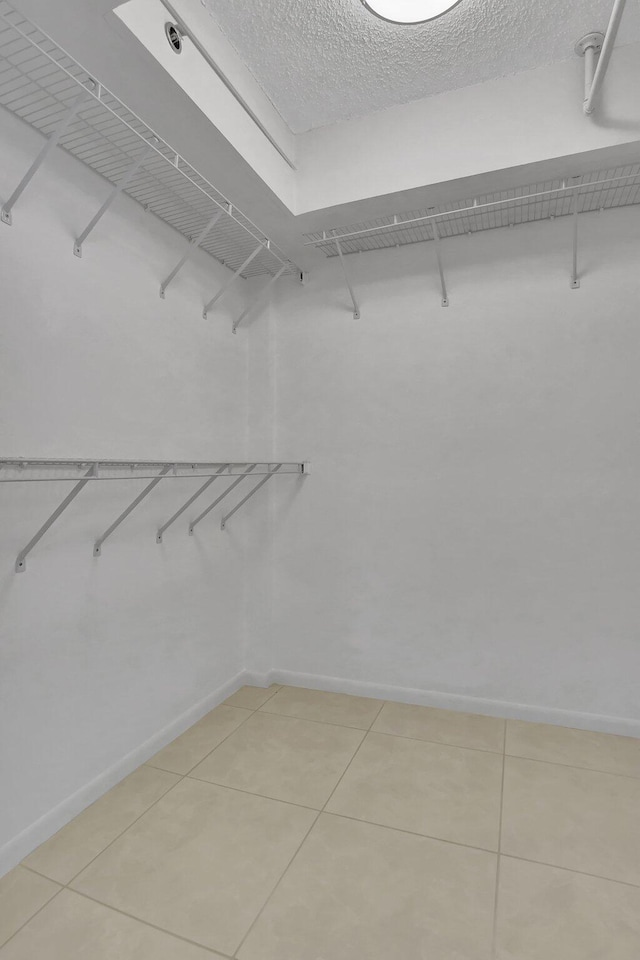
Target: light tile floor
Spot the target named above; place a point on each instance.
(294, 824)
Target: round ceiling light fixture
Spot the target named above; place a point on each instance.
(409, 11)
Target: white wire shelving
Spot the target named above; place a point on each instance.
(81, 472)
(603, 190)
(43, 85)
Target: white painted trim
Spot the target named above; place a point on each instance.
(18, 847)
(623, 726)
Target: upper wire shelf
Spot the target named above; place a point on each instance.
(39, 82)
(604, 190)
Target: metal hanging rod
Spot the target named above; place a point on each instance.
(39, 81)
(331, 238)
(164, 470)
(186, 32)
(25, 470)
(592, 45)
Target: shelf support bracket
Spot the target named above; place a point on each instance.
(52, 141)
(97, 547)
(223, 289)
(193, 246)
(575, 282)
(21, 560)
(259, 298)
(122, 184)
(255, 489)
(178, 513)
(220, 498)
(356, 308)
(443, 285)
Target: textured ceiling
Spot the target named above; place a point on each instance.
(322, 61)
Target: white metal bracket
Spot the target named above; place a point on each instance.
(255, 489)
(589, 47)
(66, 119)
(443, 285)
(178, 513)
(194, 244)
(97, 547)
(259, 298)
(122, 184)
(21, 560)
(575, 282)
(223, 289)
(356, 308)
(215, 503)
(596, 45)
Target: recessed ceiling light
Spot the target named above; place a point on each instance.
(409, 11)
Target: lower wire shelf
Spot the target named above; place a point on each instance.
(81, 472)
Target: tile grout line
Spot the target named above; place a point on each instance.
(573, 766)
(319, 814)
(344, 772)
(254, 709)
(122, 832)
(251, 793)
(365, 732)
(400, 736)
(161, 797)
(295, 716)
(67, 886)
(438, 743)
(241, 724)
(425, 836)
(580, 873)
(276, 885)
(108, 906)
(29, 919)
(154, 926)
(494, 933)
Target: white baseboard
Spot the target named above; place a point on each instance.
(18, 847)
(451, 701)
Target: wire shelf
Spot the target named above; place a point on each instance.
(604, 190)
(38, 83)
(82, 472)
(23, 470)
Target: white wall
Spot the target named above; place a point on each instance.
(470, 529)
(99, 655)
(533, 116)
(146, 20)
